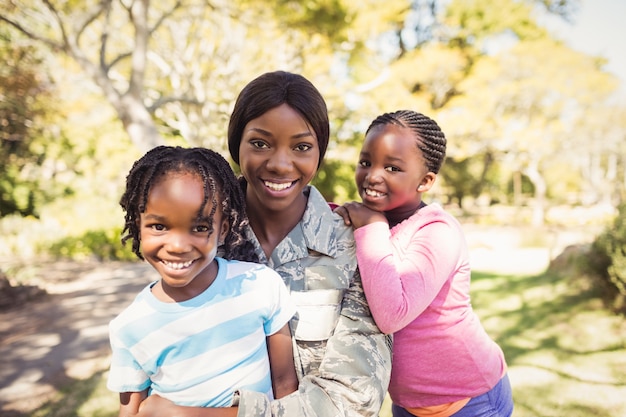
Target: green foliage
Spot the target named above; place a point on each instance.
(104, 245)
(328, 17)
(608, 258)
(500, 108)
(468, 177)
(24, 91)
(335, 180)
(478, 19)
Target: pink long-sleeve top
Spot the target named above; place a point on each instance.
(416, 278)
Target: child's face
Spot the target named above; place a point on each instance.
(390, 170)
(278, 156)
(174, 241)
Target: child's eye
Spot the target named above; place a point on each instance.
(157, 227)
(392, 169)
(201, 229)
(364, 163)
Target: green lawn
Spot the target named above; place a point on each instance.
(566, 353)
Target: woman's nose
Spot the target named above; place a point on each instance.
(279, 161)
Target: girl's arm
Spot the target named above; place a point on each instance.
(357, 215)
(130, 402)
(280, 350)
(155, 406)
(402, 281)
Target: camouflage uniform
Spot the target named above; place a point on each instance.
(342, 359)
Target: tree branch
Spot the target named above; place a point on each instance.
(66, 45)
(172, 99)
(31, 35)
(164, 17)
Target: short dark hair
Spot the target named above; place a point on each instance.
(270, 90)
(219, 182)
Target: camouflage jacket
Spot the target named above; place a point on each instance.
(342, 359)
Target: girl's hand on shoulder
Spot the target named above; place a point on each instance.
(343, 212)
(357, 215)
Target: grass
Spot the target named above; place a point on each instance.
(566, 353)
(85, 398)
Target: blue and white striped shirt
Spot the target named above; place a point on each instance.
(200, 351)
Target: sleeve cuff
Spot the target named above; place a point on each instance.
(252, 404)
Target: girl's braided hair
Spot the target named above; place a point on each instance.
(219, 183)
(430, 139)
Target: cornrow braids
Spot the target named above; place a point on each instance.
(431, 140)
(219, 183)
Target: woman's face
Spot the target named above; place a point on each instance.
(278, 157)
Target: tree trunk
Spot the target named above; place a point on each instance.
(535, 176)
(138, 123)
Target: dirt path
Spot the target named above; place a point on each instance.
(62, 336)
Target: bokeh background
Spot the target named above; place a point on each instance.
(530, 93)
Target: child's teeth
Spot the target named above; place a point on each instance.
(373, 193)
(177, 265)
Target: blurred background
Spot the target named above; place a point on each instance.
(530, 93)
(536, 122)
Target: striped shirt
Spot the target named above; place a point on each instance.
(200, 351)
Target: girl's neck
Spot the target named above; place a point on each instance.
(400, 214)
(197, 286)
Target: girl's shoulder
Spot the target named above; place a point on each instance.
(426, 216)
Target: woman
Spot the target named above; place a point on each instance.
(278, 134)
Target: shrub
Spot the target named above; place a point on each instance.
(104, 245)
(608, 258)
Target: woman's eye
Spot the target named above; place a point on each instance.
(259, 144)
(303, 147)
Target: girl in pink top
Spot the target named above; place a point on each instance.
(415, 267)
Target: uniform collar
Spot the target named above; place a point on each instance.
(315, 233)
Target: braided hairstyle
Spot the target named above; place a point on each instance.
(219, 183)
(430, 139)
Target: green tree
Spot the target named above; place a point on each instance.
(532, 103)
(172, 68)
(24, 89)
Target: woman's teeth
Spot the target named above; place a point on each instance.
(277, 186)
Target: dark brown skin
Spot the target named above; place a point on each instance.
(155, 406)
